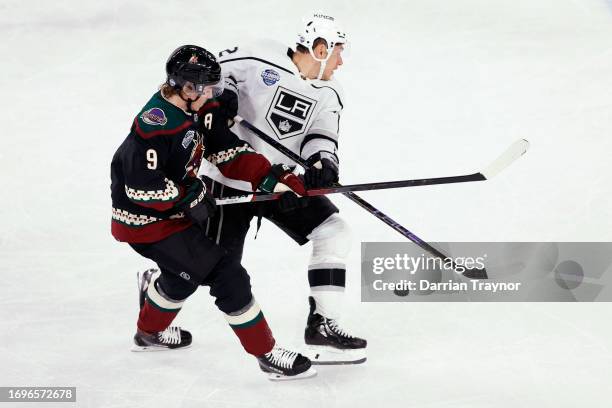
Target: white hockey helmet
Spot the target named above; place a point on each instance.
(320, 25)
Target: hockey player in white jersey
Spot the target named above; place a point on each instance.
(290, 93)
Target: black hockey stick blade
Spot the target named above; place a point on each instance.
(476, 273)
(473, 273)
(511, 154)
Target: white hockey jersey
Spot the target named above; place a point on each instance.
(304, 115)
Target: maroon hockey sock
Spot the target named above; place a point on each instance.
(253, 331)
(158, 311)
(152, 318)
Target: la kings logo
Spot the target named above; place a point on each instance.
(289, 113)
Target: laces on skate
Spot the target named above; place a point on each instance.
(281, 357)
(333, 325)
(172, 335)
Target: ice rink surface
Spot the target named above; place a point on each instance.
(433, 88)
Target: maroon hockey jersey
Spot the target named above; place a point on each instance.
(162, 153)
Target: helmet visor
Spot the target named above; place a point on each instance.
(209, 91)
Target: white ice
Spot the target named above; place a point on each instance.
(433, 88)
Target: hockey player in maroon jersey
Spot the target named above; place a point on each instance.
(161, 208)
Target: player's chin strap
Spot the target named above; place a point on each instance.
(321, 70)
(189, 102)
(323, 62)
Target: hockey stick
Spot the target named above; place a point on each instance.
(516, 150)
(490, 171)
(347, 188)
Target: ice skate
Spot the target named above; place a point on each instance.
(328, 343)
(281, 364)
(170, 339)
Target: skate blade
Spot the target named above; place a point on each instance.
(324, 355)
(311, 372)
(136, 348)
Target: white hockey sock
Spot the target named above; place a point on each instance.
(327, 268)
(328, 301)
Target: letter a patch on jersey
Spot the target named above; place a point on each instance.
(289, 113)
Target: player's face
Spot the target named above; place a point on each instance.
(208, 91)
(197, 99)
(334, 61)
(199, 94)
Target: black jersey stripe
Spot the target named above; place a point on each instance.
(313, 136)
(336, 92)
(256, 59)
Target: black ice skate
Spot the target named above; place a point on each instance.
(328, 343)
(172, 338)
(282, 364)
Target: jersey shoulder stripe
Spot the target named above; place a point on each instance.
(313, 136)
(329, 87)
(161, 132)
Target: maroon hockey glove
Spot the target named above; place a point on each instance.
(198, 204)
(280, 179)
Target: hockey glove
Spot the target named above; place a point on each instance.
(229, 105)
(282, 179)
(322, 170)
(198, 204)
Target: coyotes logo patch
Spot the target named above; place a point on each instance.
(195, 159)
